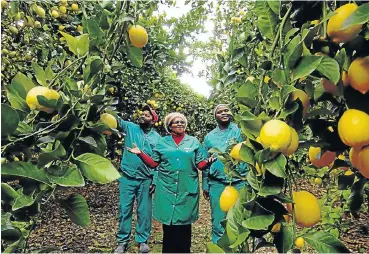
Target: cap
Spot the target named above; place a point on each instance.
(152, 112)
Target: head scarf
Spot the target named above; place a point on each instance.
(219, 105)
(170, 117)
(155, 117)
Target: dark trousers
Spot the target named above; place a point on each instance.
(176, 238)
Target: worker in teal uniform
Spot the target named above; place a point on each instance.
(136, 181)
(176, 202)
(215, 180)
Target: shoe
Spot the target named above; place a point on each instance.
(144, 248)
(122, 247)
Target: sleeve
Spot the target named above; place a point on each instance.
(122, 125)
(148, 160)
(205, 173)
(155, 176)
(155, 154)
(200, 153)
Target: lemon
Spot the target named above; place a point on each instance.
(303, 97)
(319, 160)
(37, 24)
(345, 79)
(63, 9)
(334, 30)
(307, 209)
(156, 124)
(55, 14)
(318, 180)
(329, 86)
(235, 152)
(110, 121)
(40, 12)
(276, 227)
(294, 145)
(138, 36)
(80, 28)
(111, 90)
(228, 198)
(349, 173)
(61, 27)
(358, 74)
(299, 242)
(75, 7)
(275, 135)
(13, 30)
(258, 139)
(266, 79)
(353, 128)
(32, 102)
(242, 12)
(157, 95)
(64, 2)
(364, 162)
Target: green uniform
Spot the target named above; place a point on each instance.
(135, 183)
(215, 180)
(176, 199)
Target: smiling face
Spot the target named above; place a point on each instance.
(146, 118)
(177, 125)
(223, 114)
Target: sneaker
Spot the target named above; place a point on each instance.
(144, 248)
(122, 247)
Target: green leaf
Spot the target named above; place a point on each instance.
(7, 192)
(274, 5)
(88, 140)
(97, 168)
(283, 240)
(135, 55)
(329, 68)
(22, 201)
(49, 103)
(94, 30)
(277, 166)
(71, 84)
(39, 73)
(16, 101)
(258, 222)
(272, 185)
(56, 154)
(8, 231)
(94, 65)
(306, 66)
(285, 93)
(24, 169)
(247, 154)
(356, 197)
(230, 79)
(77, 209)
(293, 51)
(72, 42)
(213, 248)
(83, 45)
(71, 177)
(49, 72)
(359, 16)
(267, 19)
(9, 120)
(324, 242)
(12, 248)
(21, 85)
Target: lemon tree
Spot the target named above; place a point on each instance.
(286, 65)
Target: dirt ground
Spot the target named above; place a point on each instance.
(55, 228)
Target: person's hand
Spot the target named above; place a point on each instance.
(134, 150)
(211, 160)
(206, 195)
(152, 189)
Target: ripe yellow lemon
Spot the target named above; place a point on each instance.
(319, 160)
(75, 7)
(110, 121)
(358, 74)
(266, 79)
(299, 242)
(63, 9)
(294, 145)
(276, 227)
(304, 98)
(235, 152)
(318, 180)
(228, 198)
(80, 28)
(329, 87)
(354, 156)
(364, 162)
(334, 30)
(55, 14)
(307, 209)
(32, 102)
(353, 128)
(40, 12)
(61, 27)
(349, 173)
(276, 135)
(138, 36)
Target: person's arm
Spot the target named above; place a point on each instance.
(148, 160)
(122, 124)
(205, 173)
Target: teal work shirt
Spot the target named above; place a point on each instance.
(221, 139)
(131, 165)
(176, 199)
